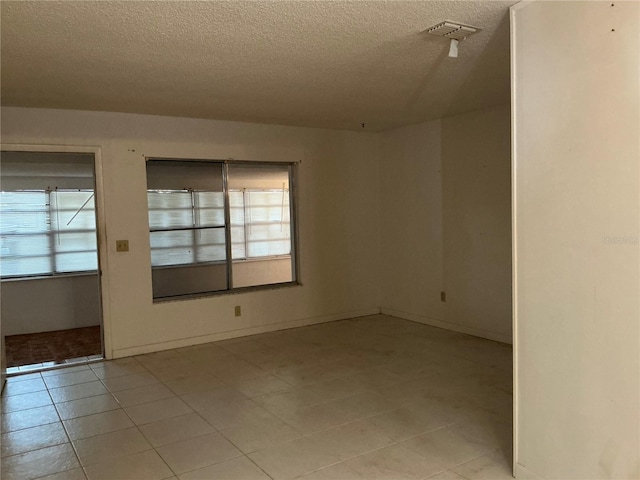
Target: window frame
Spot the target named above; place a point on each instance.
(229, 261)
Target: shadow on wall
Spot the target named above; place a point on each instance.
(476, 185)
(62, 303)
(491, 69)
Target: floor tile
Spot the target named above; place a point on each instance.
(158, 410)
(293, 459)
(315, 418)
(198, 452)
(110, 446)
(117, 368)
(33, 438)
(32, 417)
(140, 466)
(194, 383)
(235, 369)
(339, 471)
(73, 378)
(252, 387)
(26, 386)
(213, 399)
(488, 467)
(260, 430)
(25, 401)
(447, 447)
(115, 384)
(324, 402)
(39, 463)
(363, 405)
(486, 427)
(64, 371)
(240, 468)
(74, 392)
(393, 462)
(349, 440)
(22, 378)
(336, 388)
(87, 406)
(232, 414)
(144, 394)
(97, 424)
(405, 422)
(176, 429)
(292, 399)
(301, 375)
(447, 475)
(374, 378)
(52, 347)
(75, 474)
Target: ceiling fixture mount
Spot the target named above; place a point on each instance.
(454, 31)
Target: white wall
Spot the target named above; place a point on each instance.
(48, 304)
(577, 211)
(338, 221)
(446, 223)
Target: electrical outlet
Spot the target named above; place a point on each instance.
(122, 245)
(238, 311)
(443, 296)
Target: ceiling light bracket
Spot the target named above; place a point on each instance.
(453, 30)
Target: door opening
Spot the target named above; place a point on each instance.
(50, 269)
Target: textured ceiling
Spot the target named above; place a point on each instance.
(333, 64)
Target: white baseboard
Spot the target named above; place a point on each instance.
(189, 341)
(521, 473)
(476, 332)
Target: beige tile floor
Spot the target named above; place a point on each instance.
(367, 398)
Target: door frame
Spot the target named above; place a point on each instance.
(101, 226)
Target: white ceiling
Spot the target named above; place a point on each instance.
(333, 64)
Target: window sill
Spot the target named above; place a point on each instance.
(50, 277)
(220, 293)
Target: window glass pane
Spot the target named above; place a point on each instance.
(74, 210)
(24, 244)
(47, 214)
(76, 262)
(74, 235)
(170, 209)
(209, 208)
(187, 227)
(236, 211)
(210, 245)
(260, 213)
(172, 248)
(24, 212)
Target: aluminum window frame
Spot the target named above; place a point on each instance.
(292, 169)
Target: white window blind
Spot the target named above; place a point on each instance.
(260, 223)
(186, 227)
(47, 232)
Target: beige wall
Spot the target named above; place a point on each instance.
(577, 210)
(48, 304)
(338, 225)
(352, 235)
(446, 223)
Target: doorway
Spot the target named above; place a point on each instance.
(51, 295)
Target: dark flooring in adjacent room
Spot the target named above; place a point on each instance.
(50, 348)
(371, 398)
